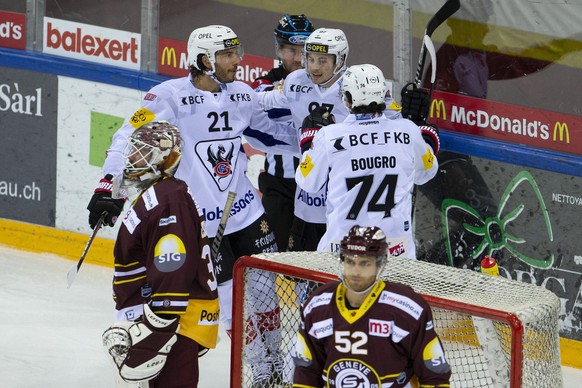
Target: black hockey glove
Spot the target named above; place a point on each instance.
(430, 134)
(103, 202)
(139, 349)
(415, 103)
(317, 119)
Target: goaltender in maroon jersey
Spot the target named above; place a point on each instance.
(364, 332)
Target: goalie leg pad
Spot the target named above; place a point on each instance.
(139, 349)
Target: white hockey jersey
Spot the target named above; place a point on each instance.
(372, 163)
(301, 96)
(213, 160)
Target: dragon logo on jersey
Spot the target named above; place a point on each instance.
(219, 157)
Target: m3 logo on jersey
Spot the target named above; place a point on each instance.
(379, 328)
(219, 157)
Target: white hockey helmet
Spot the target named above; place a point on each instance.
(208, 40)
(153, 150)
(365, 84)
(329, 41)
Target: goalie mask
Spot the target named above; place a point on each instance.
(329, 41)
(364, 241)
(154, 150)
(208, 41)
(365, 85)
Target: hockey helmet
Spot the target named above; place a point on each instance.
(365, 84)
(293, 29)
(208, 41)
(365, 241)
(329, 41)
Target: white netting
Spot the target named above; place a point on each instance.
(481, 320)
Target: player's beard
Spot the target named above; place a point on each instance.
(226, 75)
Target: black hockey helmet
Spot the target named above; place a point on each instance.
(293, 29)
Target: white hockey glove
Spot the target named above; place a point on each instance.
(139, 349)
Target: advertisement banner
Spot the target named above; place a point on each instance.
(173, 61)
(28, 113)
(525, 218)
(509, 123)
(92, 43)
(12, 30)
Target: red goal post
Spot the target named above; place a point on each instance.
(496, 332)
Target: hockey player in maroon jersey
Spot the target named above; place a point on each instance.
(164, 285)
(362, 331)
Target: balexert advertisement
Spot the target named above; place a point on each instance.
(92, 43)
(28, 113)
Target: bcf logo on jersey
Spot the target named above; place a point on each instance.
(379, 328)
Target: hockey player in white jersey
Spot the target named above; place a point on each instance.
(316, 88)
(370, 163)
(213, 112)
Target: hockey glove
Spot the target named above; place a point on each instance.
(430, 134)
(317, 119)
(103, 202)
(139, 349)
(415, 104)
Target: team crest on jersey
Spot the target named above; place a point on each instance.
(347, 372)
(219, 157)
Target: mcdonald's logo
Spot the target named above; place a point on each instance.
(562, 128)
(169, 56)
(436, 107)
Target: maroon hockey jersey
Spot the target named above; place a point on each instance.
(162, 257)
(383, 343)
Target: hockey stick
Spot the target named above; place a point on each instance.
(75, 268)
(446, 11)
(222, 226)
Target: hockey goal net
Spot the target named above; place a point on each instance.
(496, 332)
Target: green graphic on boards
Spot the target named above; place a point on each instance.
(501, 231)
(103, 126)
